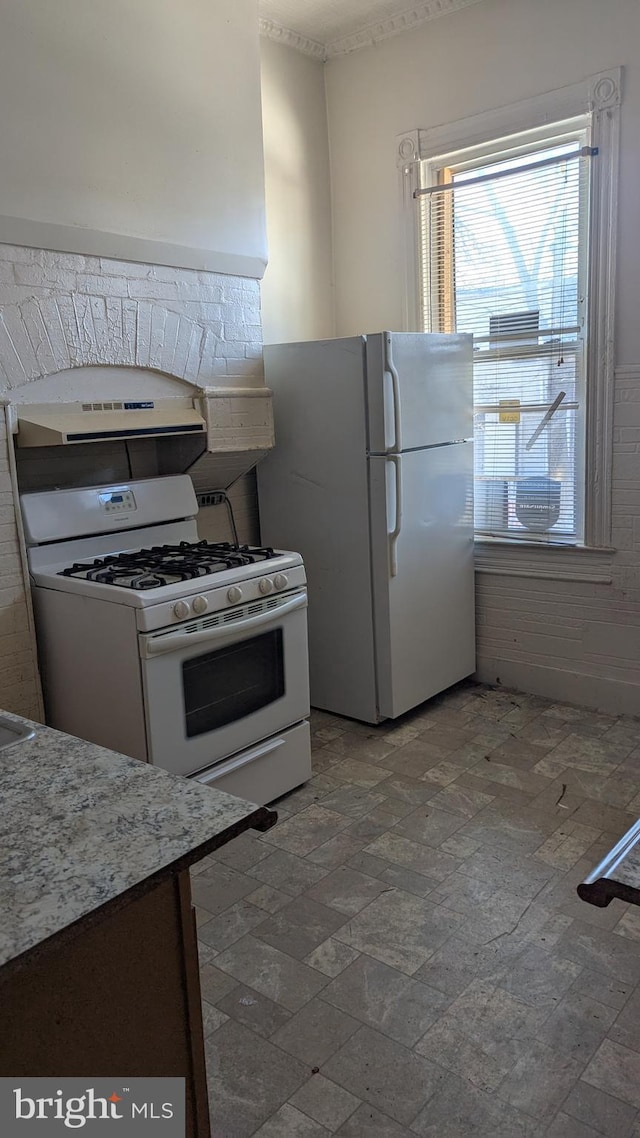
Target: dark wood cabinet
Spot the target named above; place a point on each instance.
(115, 994)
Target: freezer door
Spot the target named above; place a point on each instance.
(421, 508)
(419, 390)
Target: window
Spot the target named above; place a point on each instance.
(504, 257)
(512, 236)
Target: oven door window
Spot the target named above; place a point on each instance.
(226, 685)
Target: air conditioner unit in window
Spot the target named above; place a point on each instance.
(516, 325)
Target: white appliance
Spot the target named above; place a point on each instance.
(183, 653)
(371, 479)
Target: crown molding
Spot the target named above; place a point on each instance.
(279, 34)
(404, 21)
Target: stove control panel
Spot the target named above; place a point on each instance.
(216, 600)
(117, 501)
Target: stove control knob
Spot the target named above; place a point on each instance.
(280, 581)
(234, 595)
(181, 610)
(200, 605)
(266, 585)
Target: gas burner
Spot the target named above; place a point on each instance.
(167, 564)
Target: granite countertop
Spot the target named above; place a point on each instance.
(81, 825)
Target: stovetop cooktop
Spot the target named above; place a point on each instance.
(167, 564)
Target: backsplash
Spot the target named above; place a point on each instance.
(61, 311)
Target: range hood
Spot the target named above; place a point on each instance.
(60, 424)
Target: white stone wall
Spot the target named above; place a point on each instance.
(61, 310)
(19, 683)
(64, 310)
(576, 640)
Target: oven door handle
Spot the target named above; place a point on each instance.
(173, 641)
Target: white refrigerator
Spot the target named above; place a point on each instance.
(371, 480)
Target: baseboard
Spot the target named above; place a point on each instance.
(614, 697)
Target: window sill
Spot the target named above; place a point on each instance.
(553, 562)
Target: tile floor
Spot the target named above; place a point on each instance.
(405, 953)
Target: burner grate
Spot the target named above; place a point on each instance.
(167, 564)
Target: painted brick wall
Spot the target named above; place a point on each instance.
(19, 684)
(63, 310)
(202, 326)
(571, 639)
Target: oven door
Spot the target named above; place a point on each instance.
(217, 685)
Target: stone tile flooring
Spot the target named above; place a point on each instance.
(405, 952)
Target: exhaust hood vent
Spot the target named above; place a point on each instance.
(59, 424)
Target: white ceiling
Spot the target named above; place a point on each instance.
(330, 27)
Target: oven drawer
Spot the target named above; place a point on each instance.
(266, 771)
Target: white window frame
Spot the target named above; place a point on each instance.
(599, 97)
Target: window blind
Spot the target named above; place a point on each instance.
(503, 251)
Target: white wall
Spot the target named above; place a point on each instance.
(297, 293)
(132, 222)
(482, 57)
(133, 118)
(580, 640)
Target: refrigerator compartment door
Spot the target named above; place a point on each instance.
(419, 390)
(313, 491)
(424, 614)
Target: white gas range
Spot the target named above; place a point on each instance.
(183, 653)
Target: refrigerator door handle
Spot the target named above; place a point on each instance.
(395, 388)
(396, 460)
